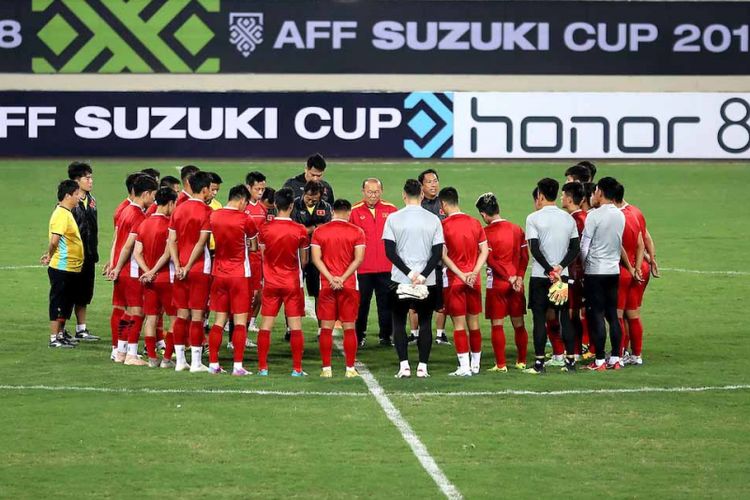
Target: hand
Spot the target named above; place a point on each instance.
(554, 274)
(418, 280)
(147, 277)
(113, 274)
(44, 259)
(337, 283)
(513, 280)
(185, 271)
(105, 271)
(639, 275)
(179, 273)
(471, 278)
(655, 269)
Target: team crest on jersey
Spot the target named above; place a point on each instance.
(320, 212)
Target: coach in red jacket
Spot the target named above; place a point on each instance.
(374, 275)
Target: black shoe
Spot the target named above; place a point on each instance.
(386, 342)
(68, 338)
(442, 340)
(86, 336)
(570, 367)
(412, 339)
(287, 335)
(60, 342)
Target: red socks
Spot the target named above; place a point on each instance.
(114, 324)
(214, 342)
(264, 345)
(326, 346)
(179, 329)
(461, 341)
(636, 335)
(160, 328)
(625, 338)
(475, 340)
(350, 347)
(522, 343)
(123, 327)
(498, 344)
(196, 333)
(585, 332)
(553, 332)
(134, 333)
(150, 347)
(239, 337)
(169, 349)
(297, 343)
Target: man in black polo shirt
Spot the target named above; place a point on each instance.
(314, 171)
(85, 215)
(312, 211)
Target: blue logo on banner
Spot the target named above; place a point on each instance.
(431, 121)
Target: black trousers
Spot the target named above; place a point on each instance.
(539, 304)
(379, 283)
(399, 314)
(84, 290)
(601, 303)
(61, 293)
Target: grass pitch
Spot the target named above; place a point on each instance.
(339, 444)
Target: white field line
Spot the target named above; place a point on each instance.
(575, 392)
(417, 446)
(13, 268)
(122, 390)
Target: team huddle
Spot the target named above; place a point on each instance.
(178, 252)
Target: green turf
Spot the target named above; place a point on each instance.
(239, 445)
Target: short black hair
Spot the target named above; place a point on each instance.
(130, 179)
(239, 192)
(548, 187)
(579, 173)
(313, 187)
(428, 171)
(574, 190)
(168, 181)
(608, 187)
(588, 190)
(269, 195)
(449, 195)
(152, 172)
(316, 161)
(164, 195)
(66, 187)
(79, 169)
(215, 178)
(199, 180)
(590, 166)
(187, 171)
(619, 193)
(143, 183)
(254, 177)
(412, 188)
(283, 198)
(342, 205)
(488, 204)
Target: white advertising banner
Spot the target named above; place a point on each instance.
(601, 125)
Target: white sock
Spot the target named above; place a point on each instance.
(318, 332)
(213, 365)
(557, 357)
(349, 368)
(476, 358)
(122, 346)
(422, 367)
(81, 327)
(415, 333)
(114, 350)
(463, 361)
(599, 362)
(161, 345)
(237, 365)
(326, 368)
(405, 365)
(132, 349)
(52, 337)
(196, 353)
(226, 326)
(440, 332)
(614, 359)
(252, 322)
(180, 352)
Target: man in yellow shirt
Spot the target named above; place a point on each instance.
(64, 256)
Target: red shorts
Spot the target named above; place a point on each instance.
(118, 294)
(342, 305)
(575, 295)
(133, 290)
(256, 275)
(504, 301)
(157, 299)
(230, 295)
(461, 300)
(292, 298)
(630, 292)
(192, 292)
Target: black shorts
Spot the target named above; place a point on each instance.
(61, 293)
(312, 280)
(601, 291)
(539, 295)
(84, 289)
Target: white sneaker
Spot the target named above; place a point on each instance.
(460, 372)
(633, 360)
(181, 367)
(199, 369)
(422, 373)
(230, 346)
(555, 361)
(166, 363)
(250, 343)
(475, 369)
(153, 363)
(253, 328)
(404, 373)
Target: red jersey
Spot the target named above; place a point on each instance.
(152, 209)
(372, 222)
(153, 233)
(630, 235)
(231, 230)
(576, 268)
(337, 241)
(128, 222)
(124, 203)
(182, 197)
(580, 217)
(509, 254)
(628, 208)
(258, 212)
(282, 238)
(188, 221)
(463, 234)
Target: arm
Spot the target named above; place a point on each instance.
(639, 255)
(51, 248)
(110, 262)
(359, 256)
(304, 256)
(174, 254)
(163, 260)
(127, 249)
(625, 262)
(198, 250)
(317, 260)
(536, 252)
(253, 244)
(392, 254)
(437, 254)
(571, 254)
(651, 250)
(138, 256)
(453, 267)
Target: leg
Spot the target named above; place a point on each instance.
(366, 286)
(521, 337)
(610, 296)
(296, 342)
(424, 313)
(398, 317)
(383, 301)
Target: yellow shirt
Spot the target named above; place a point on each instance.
(69, 253)
(215, 205)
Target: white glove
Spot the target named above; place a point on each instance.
(409, 291)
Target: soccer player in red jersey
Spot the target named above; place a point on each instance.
(464, 254)
(284, 244)
(235, 235)
(186, 173)
(572, 197)
(255, 182)
(338, 249)
(153, 258)
(130, 219)
(506, 267)
(188, 247)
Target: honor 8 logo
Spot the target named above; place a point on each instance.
(246, 31)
